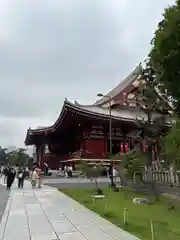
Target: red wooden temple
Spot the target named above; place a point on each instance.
(83, 130)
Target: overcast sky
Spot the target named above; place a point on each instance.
(52, 49)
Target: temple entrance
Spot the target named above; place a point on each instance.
(115, 147)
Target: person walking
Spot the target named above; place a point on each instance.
(27, 173)
(115, 173)
(70, 171)
(21, 176)
(10, 177)
(46, 169)
(65, 171)
(5, 172)
(38, 178)
(34, 178)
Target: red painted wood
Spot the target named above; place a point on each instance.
(97, 148)
(126, 146)
(52, 160)
(121, 148)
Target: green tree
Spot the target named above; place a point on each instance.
(171, 150)
(3, 158)
(151, 128)
(165, 54)
(93, 173)
(133, 162)
(154, 125)
(18, 157)
(131, 165)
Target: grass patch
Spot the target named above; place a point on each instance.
(165, 221)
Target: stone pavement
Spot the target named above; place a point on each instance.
(46, 214)
(75, 180)
(3, 200)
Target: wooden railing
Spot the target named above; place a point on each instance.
(90, 155)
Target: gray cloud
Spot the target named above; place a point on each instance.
(50, 50)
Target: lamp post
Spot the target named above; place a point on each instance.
(110, 135)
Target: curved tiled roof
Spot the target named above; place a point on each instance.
(90, 110)
(122, 114)
(86, 110)
(119, 88)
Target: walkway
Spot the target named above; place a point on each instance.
(3, 200)
(46, 214)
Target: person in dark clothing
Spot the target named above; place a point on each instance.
(21, 176)
(10, 177)
(46, 169)
(110, 172)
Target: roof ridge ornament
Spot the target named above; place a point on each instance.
(76, 103)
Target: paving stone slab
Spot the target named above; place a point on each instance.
(95, 233)
(63, 227)
(51, 236)
(4, 195)
(72, 236)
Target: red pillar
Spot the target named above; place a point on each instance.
(41, 156)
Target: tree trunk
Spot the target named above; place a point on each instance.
(124, 181)
(96, 183)
(153, 188)
(149, 173)
(172, 171)
(149, 165)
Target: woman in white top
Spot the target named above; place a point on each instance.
(115, 173)
(34, 178)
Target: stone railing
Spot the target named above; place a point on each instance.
(165, 177)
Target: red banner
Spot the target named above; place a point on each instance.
(126, 146)
(121, 148)
(145, 147)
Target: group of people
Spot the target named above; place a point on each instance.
(10, 173)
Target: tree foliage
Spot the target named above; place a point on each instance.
(154, 125)
(18, 157)
(91, 172)
(133, 162)
(172, 145)
(3, 158)
(151, 127)
(165, 54)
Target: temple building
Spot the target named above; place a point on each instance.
(82, 131)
